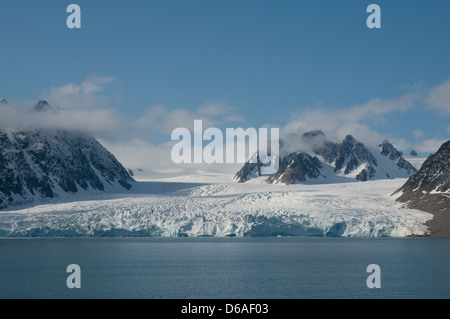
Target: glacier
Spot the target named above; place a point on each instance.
(173, 209)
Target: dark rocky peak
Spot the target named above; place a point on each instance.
(404, 164)
(311, 155)
(361, 151)
(445, 149)
(352, 153)
(312, 134)
(366, 174)
(350, 141)
(3, 101)
(434, 173)
(296, 167)
(248, 170)
(428, 190)
(413, 153)
(42, 106)
(345, 150)
(37, 164)
(387, 149)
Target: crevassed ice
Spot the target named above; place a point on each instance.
(250, 209)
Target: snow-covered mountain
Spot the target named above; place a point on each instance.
(320, 160)
(39, 164)
(429, 190)
(433, 176)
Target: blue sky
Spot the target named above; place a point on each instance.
(247, 63)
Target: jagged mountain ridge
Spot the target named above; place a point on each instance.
(429, 190)
(326, 160)
(434, 175)
(42, 106)
(39, 163)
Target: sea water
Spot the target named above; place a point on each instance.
(225, 268)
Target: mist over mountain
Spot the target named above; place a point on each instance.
(312, 157)
(42, 106)
(37, 164)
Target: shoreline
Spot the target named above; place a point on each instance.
(437, 205)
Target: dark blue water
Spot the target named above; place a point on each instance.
(225, 267)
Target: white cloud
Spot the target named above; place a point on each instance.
(336, 124)
(418, 134)
(84, 95)
(86, 107)
(155, 161)
(378, 107)
(355, 120)
(429, 145)
(92, 121)
(162, 120)
(439, 97)
(75, 107)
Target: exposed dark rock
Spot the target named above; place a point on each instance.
(296, 167)
(428, 190)
(366, 174)
(387, 149)
(37, 163)
(434, 175)
(345, 158)
(42, 106)
(249, 169)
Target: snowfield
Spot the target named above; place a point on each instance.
(352, 209)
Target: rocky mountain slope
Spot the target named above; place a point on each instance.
(429, 190)
(321, 160)
(40, 164)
